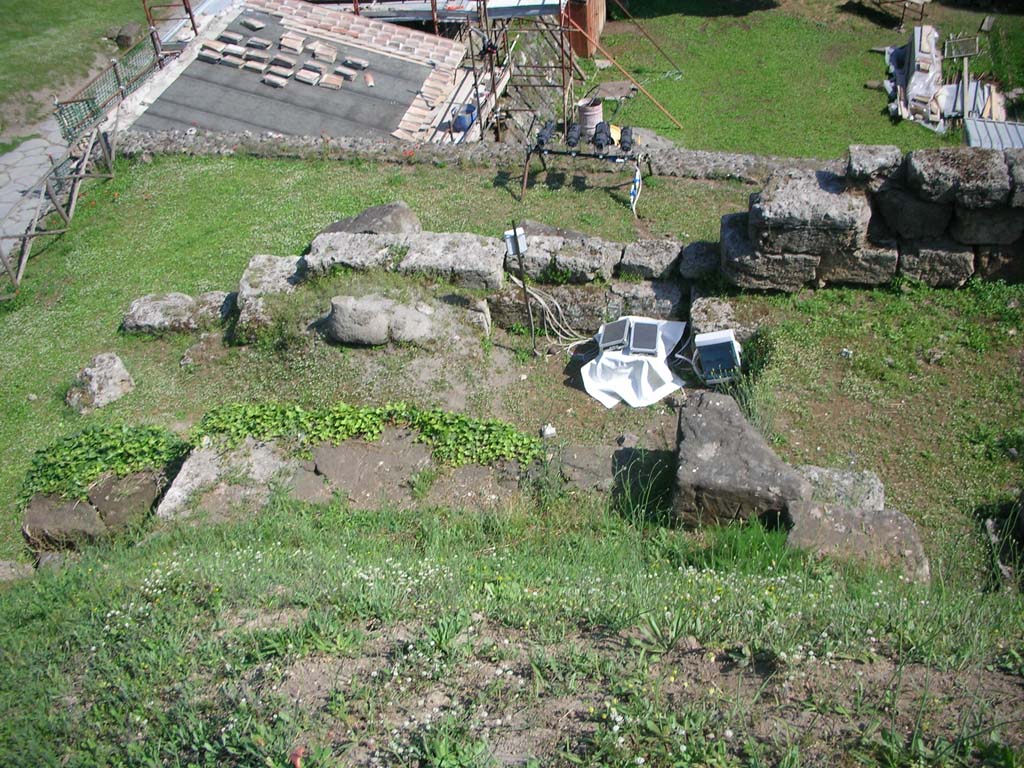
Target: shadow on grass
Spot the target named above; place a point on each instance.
(871, 13)
(710, 8)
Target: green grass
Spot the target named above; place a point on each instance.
(931, 399)
(786, 81)
(47, 43)
(146, 655)
(14, 142)
(192, 225)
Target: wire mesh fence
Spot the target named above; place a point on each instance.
(122, 77)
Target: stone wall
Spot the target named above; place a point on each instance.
(935, 215)
(665, 159)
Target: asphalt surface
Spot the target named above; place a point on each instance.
(219, 98)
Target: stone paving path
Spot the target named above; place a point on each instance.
(20, 169)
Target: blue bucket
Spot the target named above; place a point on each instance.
(464, 118)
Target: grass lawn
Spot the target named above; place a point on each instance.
(787, 80)
(561, 630)
(46, 44)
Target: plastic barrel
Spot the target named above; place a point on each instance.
(591, 113)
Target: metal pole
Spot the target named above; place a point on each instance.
(526, 292)
(967, 84)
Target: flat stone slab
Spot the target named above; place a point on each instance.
(161, 313)
(852, 489)
(869, 162)
(51, 522)
(553, 259)
(865, 266)
(650, 259)
(264, 275)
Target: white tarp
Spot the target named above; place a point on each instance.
(617, 376)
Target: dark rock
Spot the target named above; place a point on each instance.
(100, 383)
(911, 217)
(804, 212)
(650, 259)
(885, 538)
(129, 34)
(727, 471)
(1001, 262)
(395, 218)
(939, 263)
(124, 501)
(868, 162)
(699, 260)
(747, 268)
(970, 176)
(987, 226)
(538, 229)
(51, 522)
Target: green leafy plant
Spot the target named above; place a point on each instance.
(450, 746)
(553, 274)
(69, 466)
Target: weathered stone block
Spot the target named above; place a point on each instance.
(699, 260)
(54, 523)
(1015, 162)
(806, 212)
(161, 313)
(361, 320)
(886, 538)
(553, 259)
(865, 266)
(716, 313)
(939, 263)
(100, 383)
(911, 217)
(353, 251)
(650, 259)
(727, 471)
(1001, 262)
(869, 162)
(123, 501)
(263, 276)
(464, 259)
(845, 487)
(987, 226)
(745, 267)
(970, 176)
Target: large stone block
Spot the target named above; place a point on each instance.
(353, 251)
(970, 176)
(807, 212)
(727, 471)
(464, 259)
(709, 312)
(987, 226)
(123, 501)
(866, 266)
(650, 259)
(161, 313)
(698, 260)
(885, 538)
(911, 217)
(939, 263)
(871, 162)
(553, 259)
(848, 488)
(747, 268)
(1001, 262)
(54, 523)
